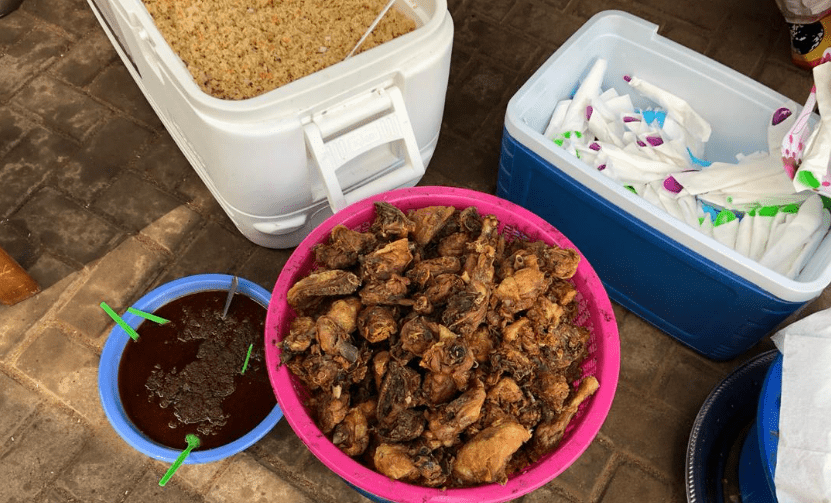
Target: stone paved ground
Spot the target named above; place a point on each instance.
(97, 203)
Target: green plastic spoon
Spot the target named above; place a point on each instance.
(193, 443)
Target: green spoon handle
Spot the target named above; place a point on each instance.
(176, 464)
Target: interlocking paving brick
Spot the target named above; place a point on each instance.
(65, 368)
(687, 380)
(544, 495)
(62, 224)
(585, 473)
(249, 481)
(115, 86)
(214, 250)
(134, 202)
(648, 429)
(328, 483)
(107, 153)
(788, 80)
(454, 163)
(13, 128)
(196, 476)
(173, 229)
(19, 318)
(468, 106)
(61, 107)
(264, 266)
(118, 278)
(642, 347)
(282, 447)
(17, 403)
(630, 483)
(740, 51)
(540, 22)
(74, 16)
(24, 59)
(200, 197)
(49, 270)
(15, 25)
(477, 32)
(31, 162)
(164, 162)
(104, 469)
(39, 452)
(147, 489)
(85, 59)
(692, 11)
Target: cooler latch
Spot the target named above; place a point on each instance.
(357, 126)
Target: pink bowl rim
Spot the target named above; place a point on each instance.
(537, 475)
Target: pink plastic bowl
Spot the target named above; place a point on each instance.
(595, 313)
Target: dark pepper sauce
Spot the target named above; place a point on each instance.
(185, 376)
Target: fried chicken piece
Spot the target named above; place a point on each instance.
(552, 388)
(331, 410)
(344, 247)
(425, 270)
(417, 335)
(512, 359)
(453, 245)
(470, 221)
(334, 340)
(438, 388)
(449, 420)
(321, 284)
(377, 323)
(352, 434)
(545, 313)
(483, 458)
(409, 425)
(380, 363)
(466, 310)
(548, 434)
(567, 344)
(301, 334)
(394, 461)
(562, 292)
(561, 262)
(481, 343)
(433, 465)
(386, 261)
(519, 291)
(429, 221)
(318, 371)
(519, 329)
(449, 355)
(390, 222)
(390, 292)
(398, 392)
(442, 287)
(505, 391)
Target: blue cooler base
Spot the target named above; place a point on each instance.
(696, 301)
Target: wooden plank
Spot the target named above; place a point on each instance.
(15, 283)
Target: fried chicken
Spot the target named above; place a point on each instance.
(437, 349)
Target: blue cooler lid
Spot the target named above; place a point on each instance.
(767, 418)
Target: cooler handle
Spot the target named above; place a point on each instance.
(332, 154)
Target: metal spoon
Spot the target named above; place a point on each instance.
(231, 293)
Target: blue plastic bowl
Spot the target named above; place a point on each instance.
(111, 358)
(758, 457)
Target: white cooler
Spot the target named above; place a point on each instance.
(282, 162)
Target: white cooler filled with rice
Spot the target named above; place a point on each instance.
(281, 162)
